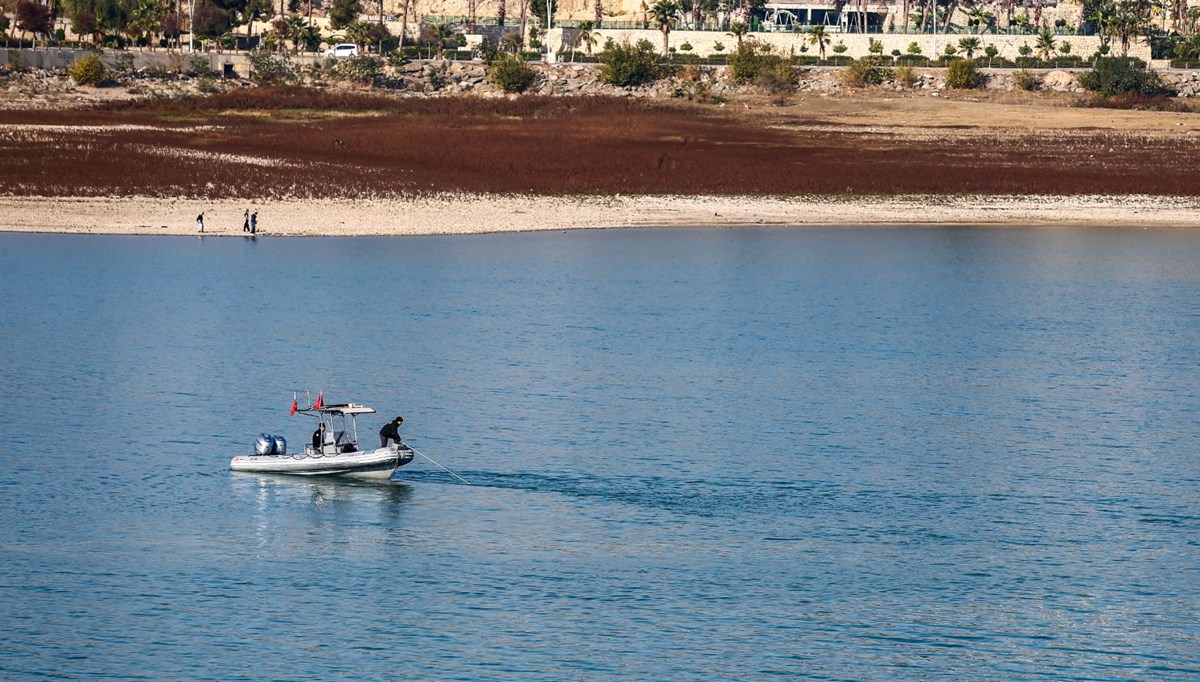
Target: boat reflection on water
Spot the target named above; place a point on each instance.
(282, 502)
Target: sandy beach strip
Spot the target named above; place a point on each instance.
(476, 214)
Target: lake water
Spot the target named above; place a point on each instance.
(870, 454)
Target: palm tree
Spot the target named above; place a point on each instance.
(1132, 17)
(922, 15)
(817, 36)
(1179, 14)
(1101, 15)
(665, 15)
(1164, 8)
(969, 45)
(951, 8)
(146, 19)
(1045, 44)
(358, 32)
(524, 16)
(294, 30)
(586, 36)
(599, 8)
(442, 33)
(738, 30)
(982, 18)
(310, 38)
(403, 20)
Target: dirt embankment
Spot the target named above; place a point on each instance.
(320, 144)
(322, 162)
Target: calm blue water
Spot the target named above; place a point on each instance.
(870, 454)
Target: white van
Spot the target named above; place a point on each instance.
(342, 50)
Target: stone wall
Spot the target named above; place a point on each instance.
(857, 44)
(631, 10)
(565, 79)
(229, 63)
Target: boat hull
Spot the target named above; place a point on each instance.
(376, 464)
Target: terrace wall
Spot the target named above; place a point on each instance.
(703, 42)
(230, 63)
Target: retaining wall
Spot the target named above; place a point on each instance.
(857, 45)
(227, 63)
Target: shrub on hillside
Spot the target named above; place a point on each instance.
(510, 73)
(626, 65)
(1115, 76)
(963, 74)
(267, 69)
(754, 62)
(88, 70)
(779, 79)
(199, 66)
(751, 59)
(1138, 103)
(864, 72)
(1027, 80)
(905, 76)
(364, 69)
(695, 83)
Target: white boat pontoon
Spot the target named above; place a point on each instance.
(338, 453)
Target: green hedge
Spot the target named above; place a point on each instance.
(88, 70)
(628, 65)
(511, 73)
(1119, 76)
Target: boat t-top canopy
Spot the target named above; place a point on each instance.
(343, 409)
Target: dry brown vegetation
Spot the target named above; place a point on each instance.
(278, 143)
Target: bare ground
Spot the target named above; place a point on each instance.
(283, 144)
(337, 162)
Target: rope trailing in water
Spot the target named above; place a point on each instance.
(440, 466)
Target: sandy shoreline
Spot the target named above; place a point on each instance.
(476, 214)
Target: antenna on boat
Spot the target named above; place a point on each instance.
(440, 466)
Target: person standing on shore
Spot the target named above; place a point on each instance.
(200, 221)
(254, 222)
(246, 221)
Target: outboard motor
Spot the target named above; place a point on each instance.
(280, 445)
(264, 444)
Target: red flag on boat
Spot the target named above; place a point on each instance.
(320, 401)
(295, 404)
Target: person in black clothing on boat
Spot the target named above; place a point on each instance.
(390, 430)
(318, 437)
